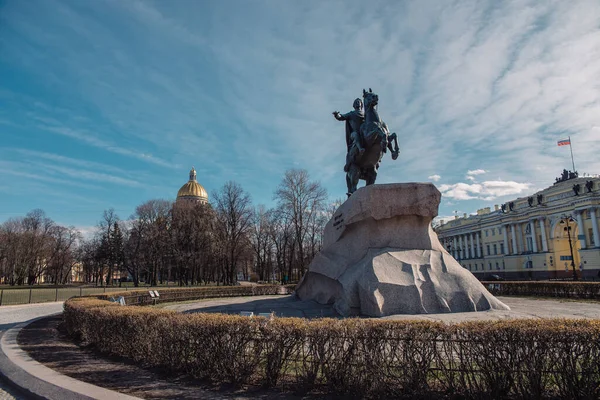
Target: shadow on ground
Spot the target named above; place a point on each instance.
(47, 343)
(286, 306)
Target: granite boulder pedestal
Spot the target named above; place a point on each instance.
(381, 257)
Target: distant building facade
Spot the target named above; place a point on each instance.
(192, 191)
(527, 238)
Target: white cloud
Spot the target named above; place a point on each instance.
(434, 178)
(440, 220)
(488, 84)
(476, 172)
(488, 190)
(471, 174)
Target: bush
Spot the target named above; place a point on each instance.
(142, 297)
(358, 357)
(573, 290)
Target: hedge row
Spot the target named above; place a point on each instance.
(143, 297)
(359, 357)
(574, 290)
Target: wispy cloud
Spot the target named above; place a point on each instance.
(434, 178)
(95, 176)
(488, 190)
(90, 139)
(476, 172)
(245, 91)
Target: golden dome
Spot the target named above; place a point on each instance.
(192, 189)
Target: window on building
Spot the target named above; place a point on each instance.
(469, 267)
(486, 233)
(591, 235)
(490, 266)
(495, 249)
(488, 250)
(503, 265)
(501, 248)
(475, 267)
(497, 266)
(529, 244)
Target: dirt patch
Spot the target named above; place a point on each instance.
(47, 342)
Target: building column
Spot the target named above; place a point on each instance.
(533, 236)
(473, 245)
(580, 231)
(506, 248)
(478, 247)
(454, 247)
(468, 245)
(544, 238)
(595, 227)
(520, 237)
(515, 249)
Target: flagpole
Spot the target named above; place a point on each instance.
(572, 159)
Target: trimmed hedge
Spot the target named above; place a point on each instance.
(358, 357)
(142, 297)
(573, 290)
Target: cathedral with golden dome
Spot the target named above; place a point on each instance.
(192, 191)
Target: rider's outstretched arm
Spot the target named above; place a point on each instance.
(339, 117)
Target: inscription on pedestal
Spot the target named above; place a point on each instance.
(338, 221)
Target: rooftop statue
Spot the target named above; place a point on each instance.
(367, 140)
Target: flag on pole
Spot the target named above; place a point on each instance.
(564, 142)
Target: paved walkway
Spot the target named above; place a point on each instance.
(10, 316)
(30, 378)
(520, 307)
(19, 368)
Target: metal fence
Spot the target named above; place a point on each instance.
(42, 295)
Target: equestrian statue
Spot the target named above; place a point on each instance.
(367, 139)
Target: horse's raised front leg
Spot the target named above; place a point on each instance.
(396, 149)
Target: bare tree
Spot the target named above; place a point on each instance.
(281, 233)
(37, 227)
(13, 251)
(191, 236)
(105, 254)
(234, 215)
(148, 244)
(62, 253)
(301, 200)
(262, 242)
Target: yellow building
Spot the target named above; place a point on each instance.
(192, 190)
(528, 238)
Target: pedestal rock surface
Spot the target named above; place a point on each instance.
(381, 257)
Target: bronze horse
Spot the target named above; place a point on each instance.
(375, 139)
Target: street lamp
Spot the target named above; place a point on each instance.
(565, 220)
(451, 249)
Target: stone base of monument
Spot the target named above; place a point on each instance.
(381, 257)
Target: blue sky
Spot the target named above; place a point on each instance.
(109, 103)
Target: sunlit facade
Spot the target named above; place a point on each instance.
(528, 238)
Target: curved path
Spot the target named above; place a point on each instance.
(24, 378)
(18, 370)
(11, 316)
